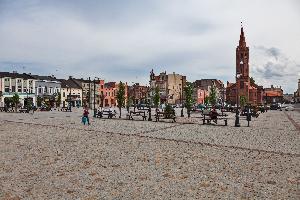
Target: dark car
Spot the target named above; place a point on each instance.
(274, 107)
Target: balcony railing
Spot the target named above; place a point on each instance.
(19, 93)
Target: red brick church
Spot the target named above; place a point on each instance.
(243, 87)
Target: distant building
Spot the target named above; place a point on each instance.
(22, 84)
(88, 91)
(205, 86)
(138, 93)
(108, 93)
(288, 98)
(200, 95)
(47, 88)
(71, 93)
(170, 87)
(243, 86)
(273, 95)
(297, 93)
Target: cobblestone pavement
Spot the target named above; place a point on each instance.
(51, 155)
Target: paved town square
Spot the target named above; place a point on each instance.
(52, 155)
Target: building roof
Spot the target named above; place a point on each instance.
(38, 77)
(70, 83)
(110, 85)
(229, 85)
(14, 75)
(273, 94)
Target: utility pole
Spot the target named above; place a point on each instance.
(181, 97)
(94, 97)
(89, 92)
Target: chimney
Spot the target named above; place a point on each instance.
(15, 72)
(70, 77)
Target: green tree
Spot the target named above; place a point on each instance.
(206, 100)
(156, 97)
(121, 97)
(58, 99)
(243, 101)
(16, 101)
(129, 102)
(213, 95)
(252, 81)
(169, 111)
(39, 101)
(189, 101)
(7, 101)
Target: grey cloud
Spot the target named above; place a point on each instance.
(272, 70)
(273, 52)
(124, 39)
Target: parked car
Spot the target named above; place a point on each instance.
(201, 106)
(274, 107)
(289, 108)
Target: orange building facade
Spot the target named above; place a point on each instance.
(243, 86)
(108, 93)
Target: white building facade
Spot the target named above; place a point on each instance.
(21, 84)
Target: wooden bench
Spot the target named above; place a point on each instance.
(2, 109)
(23, 110)
(110, 114)
(163, 115)
(207, 118)
(65, 109)
(137, 113)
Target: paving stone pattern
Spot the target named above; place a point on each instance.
(51, 155)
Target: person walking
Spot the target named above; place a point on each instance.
(86, 114)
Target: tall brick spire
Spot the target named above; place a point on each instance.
(242, 42)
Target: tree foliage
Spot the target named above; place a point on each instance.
(206, 100)
(156, 97)
(169, 111)
(58, 99)
(39, 101)
(189, 101)
(16, 101)
(252, 81)
(243, 101)
(8, 101)
(213, 95)
(121, 96)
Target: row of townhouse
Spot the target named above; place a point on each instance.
(58, 92)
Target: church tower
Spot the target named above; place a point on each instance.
(242, 67)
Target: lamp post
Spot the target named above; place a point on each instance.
(89, 92)
(237, 117)
(95, 96)
(70, 94)
(181, 97)
(27, 100)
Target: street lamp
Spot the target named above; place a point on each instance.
(95, 95)
(181, 97)
(27, 99)
(237, 117)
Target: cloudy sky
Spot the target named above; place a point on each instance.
(124, 39)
